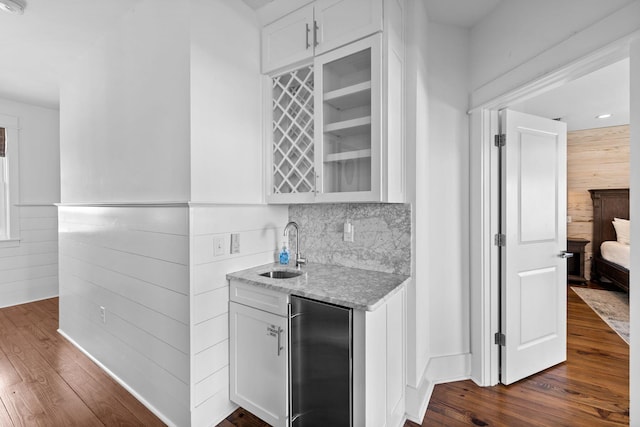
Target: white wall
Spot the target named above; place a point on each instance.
(522, 40)
(125, 140)
(29, 269)
(417, 127)
(447, 260)
(125, 112)
(226, 103)
(533, 27)
(39, 151)
(437, 136)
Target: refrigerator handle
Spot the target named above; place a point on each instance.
(290, 392)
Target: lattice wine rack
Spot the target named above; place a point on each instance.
(293, 162)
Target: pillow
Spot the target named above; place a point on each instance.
(622, 230)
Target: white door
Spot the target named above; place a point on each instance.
(259, 363)
(534, 205)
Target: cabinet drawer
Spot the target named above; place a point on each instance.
(258, 297)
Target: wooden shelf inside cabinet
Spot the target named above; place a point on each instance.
(348, 155)
(348, 127)
(348, 97)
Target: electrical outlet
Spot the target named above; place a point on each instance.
(348, 231)
(103, 314)
(218, 246)
(235, 243)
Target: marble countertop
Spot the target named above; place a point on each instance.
(348, 287)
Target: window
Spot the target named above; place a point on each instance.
(9, 210)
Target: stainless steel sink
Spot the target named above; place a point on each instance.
(281, 274)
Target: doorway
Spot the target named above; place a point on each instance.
(485, 274)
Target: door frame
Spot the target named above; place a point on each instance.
(484, 202)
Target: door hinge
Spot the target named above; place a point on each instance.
(500, 240)
(500, 339)
(500, 140)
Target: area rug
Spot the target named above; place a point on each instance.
(612, 307)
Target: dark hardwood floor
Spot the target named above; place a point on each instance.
(46, 381)
(590, 389)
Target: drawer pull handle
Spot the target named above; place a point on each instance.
(280, 347)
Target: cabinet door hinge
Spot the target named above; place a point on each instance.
(500, 339)
(500, 140)
(500, 240)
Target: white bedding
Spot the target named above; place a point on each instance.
(616, 252)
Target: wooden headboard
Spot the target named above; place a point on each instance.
(607, 204)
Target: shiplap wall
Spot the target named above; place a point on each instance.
(260, 228)
(134, 261)
(596, 159)
(29, 271)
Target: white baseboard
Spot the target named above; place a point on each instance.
(117, 379)
(443, 369)
(30, 300)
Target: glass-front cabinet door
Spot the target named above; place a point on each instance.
(348, 122)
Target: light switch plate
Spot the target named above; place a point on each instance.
(235, 243)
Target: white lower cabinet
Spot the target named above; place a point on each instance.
(379, 367)
(258, 363)
(259, 358)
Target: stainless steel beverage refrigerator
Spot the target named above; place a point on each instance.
(321, 364)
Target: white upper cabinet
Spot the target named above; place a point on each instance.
(340, 22)
(336, 120)
(317, 28)
(288, 40)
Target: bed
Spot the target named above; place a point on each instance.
(608, 205)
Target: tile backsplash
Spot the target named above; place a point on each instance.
(382, 235)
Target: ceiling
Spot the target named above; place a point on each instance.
(35, 48)
(579, 102)
(461, 13)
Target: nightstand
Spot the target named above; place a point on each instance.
(575, 264)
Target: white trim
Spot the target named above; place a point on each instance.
(634, 297)
(124, 204)
(12, 126)
(440, 370)
(30, 301)
(117, 379)
(37, 205)
(483, 266)
(485, 303)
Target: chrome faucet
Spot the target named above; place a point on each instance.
(299, 259)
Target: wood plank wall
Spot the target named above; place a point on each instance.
(260, 228)
(29, 270)
(596, 158)
(133, 261)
